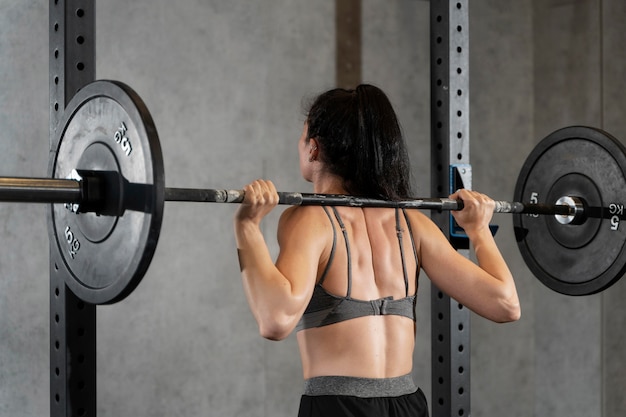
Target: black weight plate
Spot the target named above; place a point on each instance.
(107, 127)
(574, 259)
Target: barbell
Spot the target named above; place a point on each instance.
(91, 191)
(106, 191)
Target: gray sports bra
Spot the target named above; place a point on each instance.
(325, 308)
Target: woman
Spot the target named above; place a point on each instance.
(346, 277)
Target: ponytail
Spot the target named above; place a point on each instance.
(361, 141)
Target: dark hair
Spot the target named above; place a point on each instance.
(361, 141)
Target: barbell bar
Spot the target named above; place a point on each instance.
(106, 172)
(89, 191)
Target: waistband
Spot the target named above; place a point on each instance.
(360, 387)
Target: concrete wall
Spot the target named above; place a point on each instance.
(579, 74)
(224, 82)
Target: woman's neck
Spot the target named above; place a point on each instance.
(328, 184)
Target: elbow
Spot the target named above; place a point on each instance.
(273, 334)
(275, 330)
(509, 318)
(511, 311)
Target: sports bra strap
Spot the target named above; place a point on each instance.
(417, 259)
(332, 250)
(345, 238)
(404, 272)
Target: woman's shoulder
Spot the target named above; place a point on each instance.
(303, 216)
(420, 221)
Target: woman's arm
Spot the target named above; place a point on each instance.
(488, 288)
(277, 294)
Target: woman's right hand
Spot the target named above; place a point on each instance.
(476, 213)
(260, 197)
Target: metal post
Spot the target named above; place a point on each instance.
(72, 321)
(450, 167)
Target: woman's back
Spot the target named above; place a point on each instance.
(382, 263)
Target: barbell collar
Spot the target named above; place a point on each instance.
(534, 208)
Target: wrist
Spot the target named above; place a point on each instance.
(478, 233)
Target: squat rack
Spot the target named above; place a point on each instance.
(73, 321)
(450, 170)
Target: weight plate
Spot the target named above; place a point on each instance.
(574, 259)
(107, 127)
